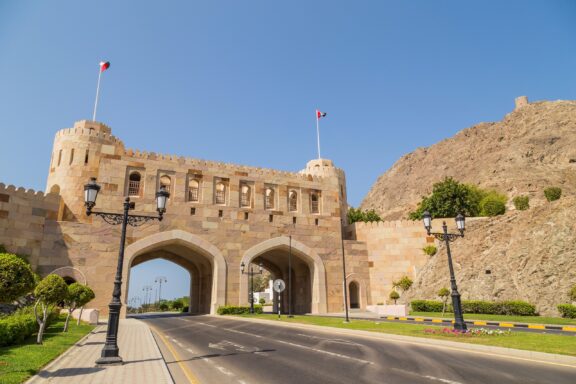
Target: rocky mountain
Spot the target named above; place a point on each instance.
(532, 148)
(528, 255)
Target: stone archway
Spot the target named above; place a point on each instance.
(307, 255)
(170, 244)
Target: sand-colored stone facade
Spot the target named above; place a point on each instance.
(218, 216)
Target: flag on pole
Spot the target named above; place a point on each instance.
(320, 114)
(104, 65)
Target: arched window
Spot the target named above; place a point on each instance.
(165, 182)
(293, 201)
(245, 195)
(134, 184)
(314, 202)
(193, 190)
(220, 196)
(269, 198)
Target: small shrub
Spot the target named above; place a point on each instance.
(16, 277)
(394, 296)
(238, 309)
(185, 309)
(572, 293)
(430, 250)
(521, 203)
(444, 294)
(552, 193)
(493, 204)
(262, 301)
(17, 327)
(516, 308)
(567, 310)
(426, 306)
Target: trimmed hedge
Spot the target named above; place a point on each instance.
(521, 203)
(22, 324)
(238, 310)
(514, 307)
(426, 306)
(567, 310)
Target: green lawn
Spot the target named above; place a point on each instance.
(514, 319)
(19, 362)
(565, 345)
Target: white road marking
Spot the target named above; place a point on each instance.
(338, 341)
(189, 350)
(442, 380)
(224, 370)
(325, 352)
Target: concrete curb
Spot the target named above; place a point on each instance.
(519, 354)
(164, 365)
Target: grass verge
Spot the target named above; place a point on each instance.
(19, 362)
(565, 345)
(513, 319)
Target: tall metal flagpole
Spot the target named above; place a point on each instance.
(318, 133)
(97, 92)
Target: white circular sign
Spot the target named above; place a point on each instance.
(279, 285)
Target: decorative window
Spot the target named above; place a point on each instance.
(220, 195)
(293, 201)
(245, 195)
(269, 198)
(134, 184)
(315, 202)
(165, 181)
(193, 190)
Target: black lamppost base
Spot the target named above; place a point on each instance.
(112, 360)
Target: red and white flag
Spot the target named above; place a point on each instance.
(104, 65)
(320, 114)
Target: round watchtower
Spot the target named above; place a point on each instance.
(75, 159)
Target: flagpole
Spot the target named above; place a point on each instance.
(97, 92)
(318, 134)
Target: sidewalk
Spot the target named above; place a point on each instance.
(143, 362)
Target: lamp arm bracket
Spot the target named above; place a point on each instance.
(116, 218)
(443, 236)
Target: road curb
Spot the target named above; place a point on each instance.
(164, 366)
(542, 357)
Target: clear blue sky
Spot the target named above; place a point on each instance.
(239, 81)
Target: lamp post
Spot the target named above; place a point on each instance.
(160, 280)
(147, 289)
(110, 350)
(459, 323)
(251, 274)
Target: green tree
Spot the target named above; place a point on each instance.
(356, 215)
(163, 306)
(444, 294)
(404, 283)
(16, 277)
(78, 296)
(448, 199)
(394, 296)
(177, 304)
(262, 301)
(50, 291)
(261, 282)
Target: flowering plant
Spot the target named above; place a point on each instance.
(467, 333)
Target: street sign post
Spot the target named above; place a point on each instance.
(279, 286)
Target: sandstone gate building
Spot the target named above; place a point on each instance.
(218, 216)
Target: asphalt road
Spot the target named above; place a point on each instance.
(225, 350)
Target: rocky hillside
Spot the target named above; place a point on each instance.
(530, 149)
(529, 255)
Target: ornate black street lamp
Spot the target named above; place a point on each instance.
(251, 274)
(459, 323)
(110, 351)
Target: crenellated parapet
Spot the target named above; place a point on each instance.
(28, 194)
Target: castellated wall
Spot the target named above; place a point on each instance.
(394, 250)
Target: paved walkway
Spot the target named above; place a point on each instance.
(143, 362)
